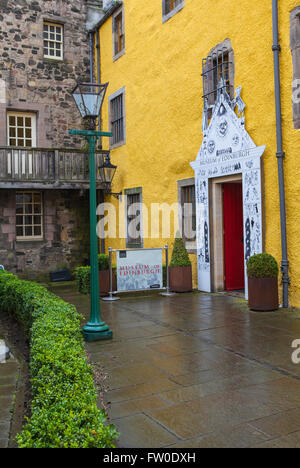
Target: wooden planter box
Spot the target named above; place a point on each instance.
(181, 279)
(104, 282)
(263, 294)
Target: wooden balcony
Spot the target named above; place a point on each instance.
(46, 168)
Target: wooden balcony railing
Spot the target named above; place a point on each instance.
(46, 167)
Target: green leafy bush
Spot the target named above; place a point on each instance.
(180, 257)
(262, 266)
(103, 261)
(64, 405)
(83, 274)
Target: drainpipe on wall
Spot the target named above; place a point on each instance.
(280, 157)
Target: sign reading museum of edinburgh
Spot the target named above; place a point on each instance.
(227, 149)
(139, 269)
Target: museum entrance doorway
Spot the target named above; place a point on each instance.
(233, 236)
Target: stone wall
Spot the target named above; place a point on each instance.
(66, 233)
(30, 82)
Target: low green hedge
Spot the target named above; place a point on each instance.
(83, 273)
(262, 265)
(83, 277)
(64, 404)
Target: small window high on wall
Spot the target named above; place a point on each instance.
(118, 25)
(217, 70)
(53, 41)
(171, 7)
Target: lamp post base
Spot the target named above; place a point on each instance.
(97, 335)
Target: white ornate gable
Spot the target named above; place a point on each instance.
(227, 149)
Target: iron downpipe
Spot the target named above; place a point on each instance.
(280, 156)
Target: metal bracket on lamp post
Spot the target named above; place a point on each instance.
(96, 328)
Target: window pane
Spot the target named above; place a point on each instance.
(37, 198)
(37, 230)
(28, 230)
(28, 220)
(20, 121)
(19, 231)
(27, 198)
(37, 220)
(19, 209)
(20, 132)
(37, 208)
(28, 209)
(19, 220)
(12, 120)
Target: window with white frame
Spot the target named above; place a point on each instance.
(171, 7)
(21, 129)
(29, 215)
(53, 40)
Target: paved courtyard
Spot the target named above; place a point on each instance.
(198, 370)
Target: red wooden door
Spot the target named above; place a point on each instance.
(233, 236)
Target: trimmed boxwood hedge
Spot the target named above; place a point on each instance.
(64, 404)
(262, 265)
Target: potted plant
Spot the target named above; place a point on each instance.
(262, 272)
(103, 261)
(180, 268)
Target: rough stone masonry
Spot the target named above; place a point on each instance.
(29, 82)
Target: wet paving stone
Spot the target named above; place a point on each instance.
(140, 431)
(198, 370)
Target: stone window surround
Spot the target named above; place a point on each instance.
(184, 183)
(37, 109)
(114, 15)
(110, 98)
(17, 138)
(60, 24)
(227, 47)
(134, 191)
(172, 12)
(295, 50)
(66, 23)
(33, 238)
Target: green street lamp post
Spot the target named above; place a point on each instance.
(89, 98)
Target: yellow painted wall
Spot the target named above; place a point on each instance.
(161, 71)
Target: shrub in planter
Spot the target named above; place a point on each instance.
(82, 275)
(180, 268)
(262, 272)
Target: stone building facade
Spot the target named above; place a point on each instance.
(44, 50)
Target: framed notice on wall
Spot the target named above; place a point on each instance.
(139, 269)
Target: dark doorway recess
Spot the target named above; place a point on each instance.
(233, 236)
